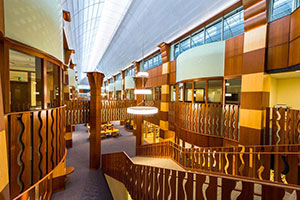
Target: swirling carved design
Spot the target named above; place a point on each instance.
(52, 138)
(227, 163)
(19, 158)
(215, 161)
(184, 184)
(298, 128)
(209, 119)
(203, 158)
(241, 169)
(158, 184)
(278, 126)
(217, 121)
(233, 123)
(225, 121)
(261, 168)
(40, 144)
(169, 184)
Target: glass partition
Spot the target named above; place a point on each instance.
(215, 91)
(173, 93)
(53, 85)
(26, 83)
(188, 93)
(199, 92)
(233, 91)
(180, 91)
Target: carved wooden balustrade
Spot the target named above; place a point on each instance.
(146, 182)
(36, 145)
(77, 112)
(114, 110)
(282, 126)
(153, 118)
(278, 164)
(197, 120)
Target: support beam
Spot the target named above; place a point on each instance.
(95, 81)
(139, 118)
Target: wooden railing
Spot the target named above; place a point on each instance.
(282, 126)
(43, 188)
(36, 145)
(146, 182)
(269, 163)
(114, 110)
(197, 120)
(77, 112)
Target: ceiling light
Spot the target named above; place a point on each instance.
(228, 95)
(227, 84)
(103, 94)
(142, 110)
(142, 74)
(142, 91)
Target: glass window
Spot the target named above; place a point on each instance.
(176, 50)
(185, 44)
(188, 93)
(214, 32)
(159, 58)
(150, 64)
(155, 61)
(297, 4)
(173, 93)
(233, 91)
(215, 91)
(119, 77)
(130, 94)
(180, 91)
(26, 85)
(199, 92)
(53, 85)
(234, 24)
(149, 97)
(157, 93)
(198, 39)
(281, 8)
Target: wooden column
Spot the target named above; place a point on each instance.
(4, 177)
(108, 93)
(123, 85)
(95, 81)
(139, 118)
(255, 82)
(165, 91)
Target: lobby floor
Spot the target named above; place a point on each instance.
(84, 183)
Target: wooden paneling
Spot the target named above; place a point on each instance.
(250, 136)
(294, 56)
(234, 55)
(255, 100)
(2, 22)
(278, 57)
(295, 25)
(256, 21)
(233, 65)
(173, 66)
(172, 77)
(255, 9)
(278, 31)
(254, 61)
(248, 3)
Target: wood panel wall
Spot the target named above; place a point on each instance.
(172, 75)
(234, 55)
(155, 77)
(284, 43)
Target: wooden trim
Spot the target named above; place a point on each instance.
(18, 46)
(201, 79)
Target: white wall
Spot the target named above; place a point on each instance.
(72, 81)
(111, 87)
(129, 82)
(201, 62)
(118, 85)
(37, 23)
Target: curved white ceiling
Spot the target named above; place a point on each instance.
(131, 28)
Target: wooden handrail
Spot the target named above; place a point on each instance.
(269, 163)
(146, 182)
(30, 111)
(20, 196)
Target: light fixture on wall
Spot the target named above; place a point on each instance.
(142, 74)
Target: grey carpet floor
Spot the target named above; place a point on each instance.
(89, 184)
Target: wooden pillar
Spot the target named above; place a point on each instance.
(255, 83)
(123, 96)
(95, 81)
(139, 118)
(108, 92)
(4, 176)
(165, 91)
